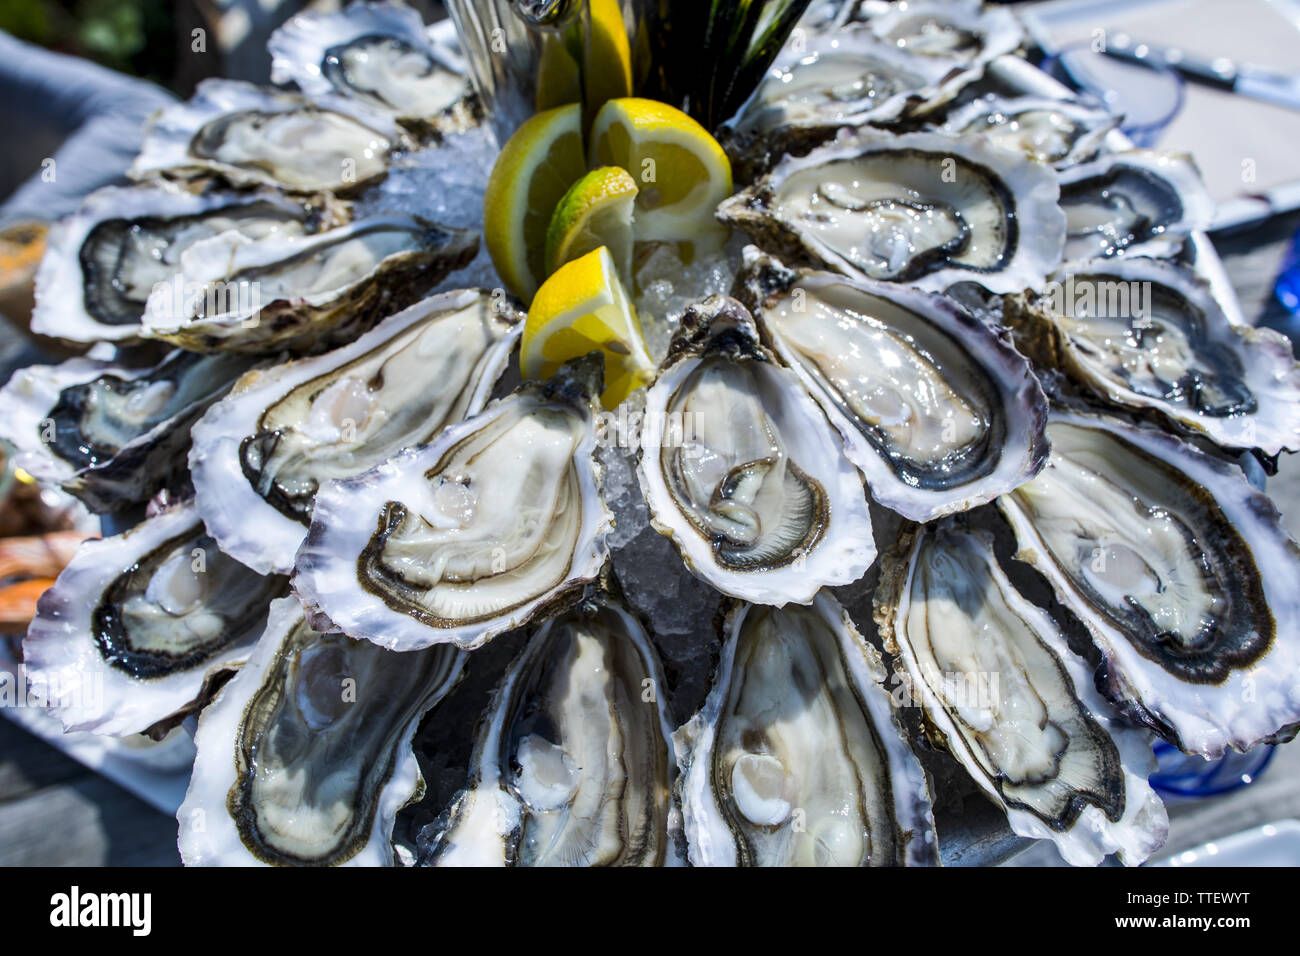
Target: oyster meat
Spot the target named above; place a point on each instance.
(305, 757)
(1146, 334)
(376, 53)
(937, 409)
(1181, 572)
(260, 455)
(1002, 690)
(742, 470)
(140, 628)
(1135, 203)
(573, 764)
(109, 434)
(104, 261)
(498, 519)
(302, 293)
(920, 208)
(798, 757)
(1060, 133)
(252, 136)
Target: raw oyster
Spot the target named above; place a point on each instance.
(496, 521)
(1147, 334)
(377, 53)
(961, 34)
(743, 472)
(109, 434)
(302, 293)
(102, 262)
(1058, 132)
(1135, 203)
(798, 757)
(573, 765)
(1181, 572)
(251, 136)
(141, 627)
(260, 454)
(920, 208)
(305, 757)
(936, 408)
(1006, 696)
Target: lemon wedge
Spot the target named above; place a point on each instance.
(681, 171)
(595, 212)
(582, 308)
(536, 167)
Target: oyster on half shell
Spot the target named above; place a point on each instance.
(1002, 690)
(499, 519)
(260, 455)
(920, 208)
(305, 757)
(573, 764)
(936, 409)
(797, 757)
(1180, 570)
(1058, 132)
(140, 628)
(742, 470)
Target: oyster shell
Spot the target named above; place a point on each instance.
(1148, 335)
(1001, 688)
(141, 627)
(260, 454)
(1060, 133)
(797, 757)
(957, 33)
(302, 293)
(1181, 572)
(251, 136)
(742, 471)
(496, 521)
(936, 409)
(103, 261)
(1139, 202)
(305, 757)
(109, 434)
(378, 54)
(573, 764)
(920, 208)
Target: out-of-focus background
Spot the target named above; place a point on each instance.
(134, 56)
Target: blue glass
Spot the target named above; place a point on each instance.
(1287, 289)
(1178, 774)
(1146, 96)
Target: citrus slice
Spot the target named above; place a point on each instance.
(595, 212)
(582, 308)
(536, 167)
(681, 171)
(607, 55)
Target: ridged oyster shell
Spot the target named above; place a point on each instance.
(742, 470)
(1002, 690)
(798, 756)
(305, 757)
(496, 521)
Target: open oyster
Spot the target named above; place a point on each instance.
(920, 208)
(103, 261)
(1002, 690)
(260, 454)
(497, 520)
(743, 472)
(936, 408)
(1135, 203)
(304, 758)
(377, 53)
(798, 757)
(252, 136)
(109, 434)
(1060, 133)
(961, 34)
(573, 765)
(1181, 572)
(304, 292)
(141, 627)
(1146, 334)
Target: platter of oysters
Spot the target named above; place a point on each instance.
(967, 511)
